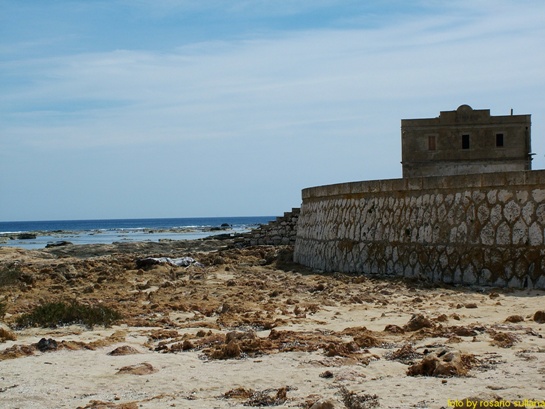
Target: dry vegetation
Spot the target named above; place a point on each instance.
(244, 305)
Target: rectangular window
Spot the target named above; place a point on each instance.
(431, 142)
(499, 140)
(465, 141)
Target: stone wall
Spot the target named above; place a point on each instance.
(483, 229)
(465, 141)
(283, 230)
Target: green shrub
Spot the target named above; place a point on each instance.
(55, 314)
(9, 274)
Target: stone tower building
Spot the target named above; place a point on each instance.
(465, 141)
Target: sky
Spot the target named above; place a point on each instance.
(204, 108)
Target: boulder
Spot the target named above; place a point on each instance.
(44, 345)
(443, 363)
(418, 321)
(123, 350)
(514, 319)
(539, 317)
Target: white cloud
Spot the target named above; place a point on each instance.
(323, 106)
(222, 88)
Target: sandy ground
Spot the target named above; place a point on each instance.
(249, 328)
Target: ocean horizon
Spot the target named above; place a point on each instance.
(107, 231)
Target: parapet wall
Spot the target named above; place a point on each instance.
(485, 229)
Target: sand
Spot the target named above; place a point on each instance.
(248, 328)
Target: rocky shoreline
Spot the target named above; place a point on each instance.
(248, 327)
(54, 238)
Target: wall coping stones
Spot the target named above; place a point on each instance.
(484, 180)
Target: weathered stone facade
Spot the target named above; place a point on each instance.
(283, 231)
(485, 229)
(465, 141)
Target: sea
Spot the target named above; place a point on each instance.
(38, 234)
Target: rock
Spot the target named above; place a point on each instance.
(148, 262)
(44, 345)
(354, 400)
(123, 350)
(7, 335)
(239, 393)
(406, 355)
(326, 374)
(367, 341)
(539, 317)
(229, 351)
(138, 369)
(442, 318)
(187, 345)
(238, 336)
(323, 404)
(417, 321)
(504, 339)
(264, 398)
(223, 236)
(514, 319)
(394, 329)
(341, 349)
(59, 243)
(462, 331)
(26, 236)
(163, 334)
(442, 364)
(17, 351)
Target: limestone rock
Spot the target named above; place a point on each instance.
(323, 404)
(123, 350)
(514, 319)
(138, 369)
(539, 317)
(7, 335)
(442, 364)
(417, 321)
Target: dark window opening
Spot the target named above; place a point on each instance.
(465, 141)
(499, 140)
(431, 142)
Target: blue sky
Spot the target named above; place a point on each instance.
(166, 108)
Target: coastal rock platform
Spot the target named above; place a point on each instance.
(247, 327)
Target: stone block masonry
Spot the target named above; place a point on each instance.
(485, 229)
(281, 231)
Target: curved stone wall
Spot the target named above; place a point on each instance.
(483, 229)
